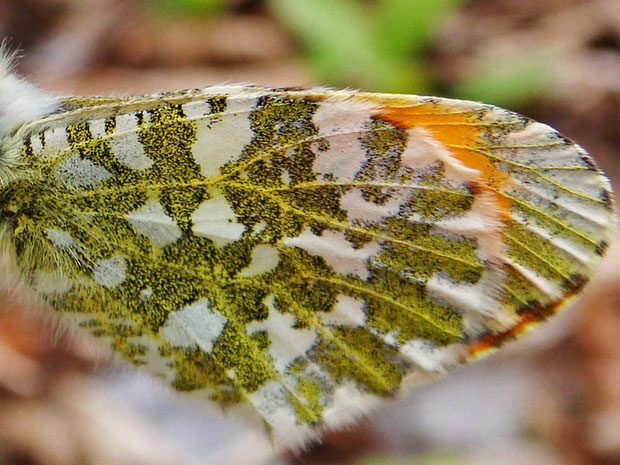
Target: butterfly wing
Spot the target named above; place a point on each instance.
(303, 254)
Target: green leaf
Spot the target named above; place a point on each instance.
(188, 7)
(408, 26)
(333, 31)
(508, 82)
(341, 47)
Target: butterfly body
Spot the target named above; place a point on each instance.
(303, 254)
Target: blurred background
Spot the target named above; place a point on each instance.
(553, 398)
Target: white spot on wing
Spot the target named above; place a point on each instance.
(56, 140)
(264, 258)
(341, 124)
(287, 342)
(358, 208)
(222, 140)
(272, 401)
(483, 223)
(531, 134)
(194, 325)
(126, 146)
(430, 358)
(61, 239)
(348, 402)
(97, 128)
(472, 223)
(110, 272)
(216, 220)
(336, 250)
(37, 146)
(347, 312)
(478, 301)
(152, 221)
(549, 288)
(75, 171)
(198, 109)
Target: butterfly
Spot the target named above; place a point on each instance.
(301, 255)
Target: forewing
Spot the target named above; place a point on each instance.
(304, 254)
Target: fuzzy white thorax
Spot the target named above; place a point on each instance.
(20, 101)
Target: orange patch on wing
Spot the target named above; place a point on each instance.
(459, 132)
